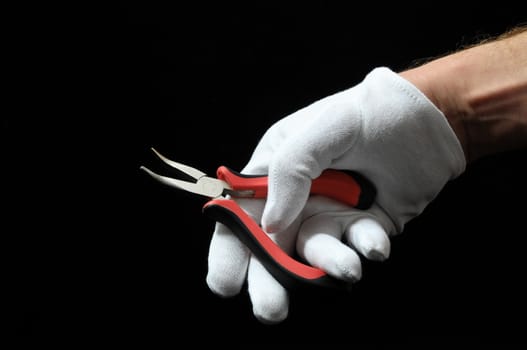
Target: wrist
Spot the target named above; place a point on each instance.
(432, 81)
(482, 91)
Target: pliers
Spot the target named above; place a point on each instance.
(348, 187)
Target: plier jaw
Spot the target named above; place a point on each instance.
(204, 185)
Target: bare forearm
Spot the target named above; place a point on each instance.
(482, 91)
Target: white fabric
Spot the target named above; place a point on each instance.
(384, 128)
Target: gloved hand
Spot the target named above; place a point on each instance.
(383, 128)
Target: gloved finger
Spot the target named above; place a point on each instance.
(319, 243)
(228, 256)
(368, 237)
(302, 158)
(227, 262)
(269, 298)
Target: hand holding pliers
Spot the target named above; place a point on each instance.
(348, 187)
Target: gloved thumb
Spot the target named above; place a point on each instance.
(299, 160)
(288, 191)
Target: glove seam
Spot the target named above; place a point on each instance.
(361, 130)
(351, 149)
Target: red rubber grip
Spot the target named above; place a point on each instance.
(283, 267)
(242, 182)
(347, 187)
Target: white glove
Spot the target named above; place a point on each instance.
(383, 128)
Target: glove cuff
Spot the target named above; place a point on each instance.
(430, 116)
(413, 151)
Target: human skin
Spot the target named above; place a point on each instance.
(482, 90)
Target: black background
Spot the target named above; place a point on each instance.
(104, 252)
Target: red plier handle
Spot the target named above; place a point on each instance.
(348, 187)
